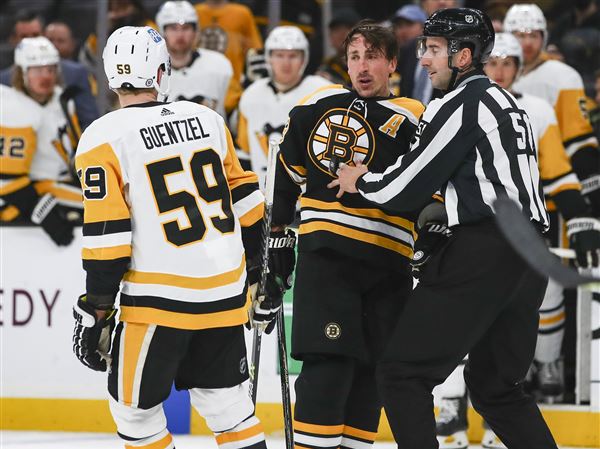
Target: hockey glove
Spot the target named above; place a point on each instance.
(584, 239)
(256, 65)
(45, 213)
(282, 257)
(92, 335)
(265, 307)
(590, 189)
(432, 237)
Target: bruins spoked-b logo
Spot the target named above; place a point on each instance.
(340, 136)
(333, 331)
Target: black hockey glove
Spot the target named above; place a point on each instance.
(584, 239)
(265, 307)
(431, 238)
(282, 257)
(45, 213)
(590, 189)
(92, 336)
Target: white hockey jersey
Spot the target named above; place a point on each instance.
(562, 87)
(25, 133)
(163, 187)
(22, 131)
(51, 166)
(204, 80)
(55, 164)
(555, 169)
(263, 113)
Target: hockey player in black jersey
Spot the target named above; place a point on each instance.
(339, 329)
(475, 295)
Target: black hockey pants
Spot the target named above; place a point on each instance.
(476, 296)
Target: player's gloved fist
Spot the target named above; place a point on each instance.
(282, 257)
(431, 237)
(92, 335)
(256, 65)
(265, 306)
(45, 213)
(584, 238)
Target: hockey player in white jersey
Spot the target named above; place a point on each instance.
(38, 76)
(198, 75)
(49, 154)
(168, 212)
(563, 195)
(23, 133)
(562, 87)
(266, 103)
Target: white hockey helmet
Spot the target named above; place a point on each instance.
(506, 45)
(132, 58)
(286, 38)
(525, 18)
(35, 51)
(179, 12)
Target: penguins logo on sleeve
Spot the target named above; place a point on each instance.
(343, 136)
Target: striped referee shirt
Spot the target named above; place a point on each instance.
(475, 144)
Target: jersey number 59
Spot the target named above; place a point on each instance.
(210, 190)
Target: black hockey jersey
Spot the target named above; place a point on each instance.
(329, 127)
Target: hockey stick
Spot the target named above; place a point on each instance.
(284, 376)
(528, 243)
(264, 269)
(70, 93)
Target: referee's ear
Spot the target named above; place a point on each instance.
(463, 59)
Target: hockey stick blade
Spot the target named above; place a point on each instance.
(528, 243)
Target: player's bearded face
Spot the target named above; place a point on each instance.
(433, 52)
(286, 66)
(502, 71)
(369, 69)
(180, 38)
(531, 43)
(41, 80)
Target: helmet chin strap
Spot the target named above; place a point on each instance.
(452, 81)
(455, 72)
(163, 86)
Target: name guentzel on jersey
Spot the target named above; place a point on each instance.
(173, 132)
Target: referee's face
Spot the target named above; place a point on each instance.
(434, 59)
(369, 69)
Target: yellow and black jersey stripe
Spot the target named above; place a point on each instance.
(184, 315)
(106, 248)
(369, 230)
(559, 181)
(245, 195)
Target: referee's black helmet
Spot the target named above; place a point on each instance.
(463, 27)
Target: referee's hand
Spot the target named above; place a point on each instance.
(347, 177)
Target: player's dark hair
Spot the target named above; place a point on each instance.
(376, 36)
(27, 15)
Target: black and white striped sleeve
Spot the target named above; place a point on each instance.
(446, 132)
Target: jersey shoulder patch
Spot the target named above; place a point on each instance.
(410, 108)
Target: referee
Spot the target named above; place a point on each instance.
(475, 295)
